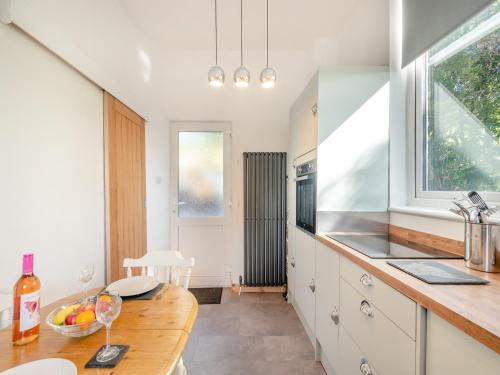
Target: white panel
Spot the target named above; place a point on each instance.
(450, 351)
(390, 350)
(327, 302)
(206, 245)
(305, 263)
(303, 121)
(350, 355)
(397, 307)
(353, 139)
(291, 254)
(51, 158)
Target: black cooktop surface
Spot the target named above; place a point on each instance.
(381, 246)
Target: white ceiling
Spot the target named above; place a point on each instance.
(189, 24)
(154, 54)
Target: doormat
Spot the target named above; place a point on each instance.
(207, 296)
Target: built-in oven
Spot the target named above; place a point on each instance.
(305, 182)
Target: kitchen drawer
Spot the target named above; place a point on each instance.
(327, 302)
(351, 357)
(398, 308)
(389, 349)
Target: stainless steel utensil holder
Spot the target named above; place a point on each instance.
(482, 246)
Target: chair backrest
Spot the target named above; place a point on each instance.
(166, 266)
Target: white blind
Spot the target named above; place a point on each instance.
(427, 21)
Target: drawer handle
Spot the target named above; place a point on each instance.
(366, 280)
(366, 309)
(335, 316)
(312, 286)
(293, 262)
(365, 367)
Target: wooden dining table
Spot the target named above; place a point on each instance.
(156, 330)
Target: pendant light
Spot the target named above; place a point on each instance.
(241, 75)
(216, 74)
(268, 75)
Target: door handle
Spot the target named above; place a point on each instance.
(335, 316)
(312, 286)
(366, 280)
(365, 367)
(366, 308)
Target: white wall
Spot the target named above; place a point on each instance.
(401, 118)
(51, 163)
(353, 136)
(159, 68)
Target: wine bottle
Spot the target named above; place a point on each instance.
(26, 317)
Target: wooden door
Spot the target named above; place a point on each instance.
(125, 186)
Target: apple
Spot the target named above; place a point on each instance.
(71, 319)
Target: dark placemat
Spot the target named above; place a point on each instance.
(207, 296)
(111, 363)
(436, 273)
(145, 296)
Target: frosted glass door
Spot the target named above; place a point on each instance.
(200, 195)
(201, 174)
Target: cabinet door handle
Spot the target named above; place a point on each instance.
(292, 263)
(314, 109)
(366, 308)
(366, 280)
(335, 316)
(312, 286)
(365, 367)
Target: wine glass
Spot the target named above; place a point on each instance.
(85, 276)
(107, 309)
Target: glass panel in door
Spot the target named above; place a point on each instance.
(201, 174)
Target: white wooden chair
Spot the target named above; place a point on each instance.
(166, 266)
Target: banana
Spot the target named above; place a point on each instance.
(62, 314)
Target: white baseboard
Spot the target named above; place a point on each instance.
(209, 281)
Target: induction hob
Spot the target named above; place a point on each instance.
(381, 246)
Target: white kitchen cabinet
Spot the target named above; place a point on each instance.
(388, 347)
(302, 137)
(303, 121)
(398, 308)
(290, 262)
(351, 357)
(304, 280)
(327, 304)
(451, 351)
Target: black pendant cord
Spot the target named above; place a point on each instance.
(216, 46)
(241, 31)
(267, 33)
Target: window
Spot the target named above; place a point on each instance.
(458, 111)
(201, 174)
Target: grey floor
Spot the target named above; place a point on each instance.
(255, 333)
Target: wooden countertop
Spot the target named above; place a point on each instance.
(474, 309)
(156, 330)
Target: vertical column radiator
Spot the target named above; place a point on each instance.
(265, 218)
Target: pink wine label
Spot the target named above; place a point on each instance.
(30, 311)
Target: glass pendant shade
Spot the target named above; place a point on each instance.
(216, 76)
(241, 77)
(268, 77)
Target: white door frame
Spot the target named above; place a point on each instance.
(175, 221)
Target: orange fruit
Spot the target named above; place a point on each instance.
(105, 298)
(85, 317)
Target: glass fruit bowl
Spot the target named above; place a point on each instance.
(76, 319)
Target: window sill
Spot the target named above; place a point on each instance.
(434, 213)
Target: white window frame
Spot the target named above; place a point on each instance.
(417, 103)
